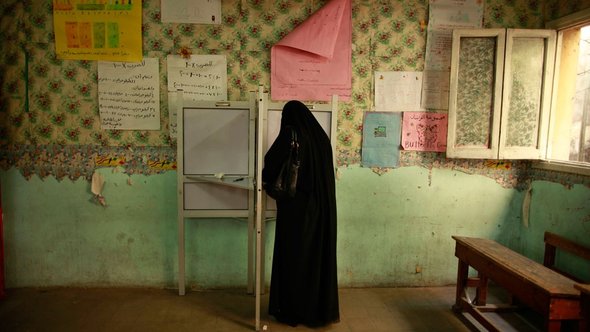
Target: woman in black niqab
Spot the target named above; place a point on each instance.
(304, 285)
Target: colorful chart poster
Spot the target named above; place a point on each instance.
(381, 139)
(98, 29)
(422, 131)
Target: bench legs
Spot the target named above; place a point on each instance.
(474, 307)
(462, 275)
(463, 282)
(481, 292)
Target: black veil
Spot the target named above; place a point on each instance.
(304, 286)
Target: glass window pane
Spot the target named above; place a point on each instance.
(580, 138)
(475, 84)
(525, 95)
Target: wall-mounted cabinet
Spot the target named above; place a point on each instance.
(500, 93)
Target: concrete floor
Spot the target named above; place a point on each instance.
(141, 309)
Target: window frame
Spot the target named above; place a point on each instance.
(491, 150)
(501, 95)
(537, 151)
(578, 19)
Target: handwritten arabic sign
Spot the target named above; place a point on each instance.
(129, 95)
(202, 77)
(423, 131)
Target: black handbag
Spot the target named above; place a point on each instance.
(285, 184)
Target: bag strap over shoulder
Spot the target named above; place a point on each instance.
(294, 142)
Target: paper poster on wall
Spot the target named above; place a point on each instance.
(435, 89)
(423, 131)
(98, 30)
(313, 62)
(129, 95)
(191, 11)
(397, 91)
(201, 77)
(381, 139)
(444, 16)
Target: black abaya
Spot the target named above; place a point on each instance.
(304, 286)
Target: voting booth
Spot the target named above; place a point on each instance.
(220, 157)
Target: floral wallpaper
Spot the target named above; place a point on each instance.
(49, 123)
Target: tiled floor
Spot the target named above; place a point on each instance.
(122, 309)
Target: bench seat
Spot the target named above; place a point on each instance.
(530, 283)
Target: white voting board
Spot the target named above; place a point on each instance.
(216, 151)
(215, 140)
(216, 157)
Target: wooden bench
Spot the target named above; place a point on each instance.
(554, 242)
(538, 287)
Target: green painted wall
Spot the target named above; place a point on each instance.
(562, 210)
(56, 235)
(390, 225)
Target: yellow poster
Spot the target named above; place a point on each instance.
(98, 29)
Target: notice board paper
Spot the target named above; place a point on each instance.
(381, 139)
(435, 89)
(444, 16)
(191, 11)
(201, 77)
(423, 131)
(129, 95)
(313, 62)
(397, 91)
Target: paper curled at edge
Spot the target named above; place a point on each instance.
(96, 188)
(97, 184)
(313, 62)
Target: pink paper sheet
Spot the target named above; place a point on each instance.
(424, 131)
(313, 62)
